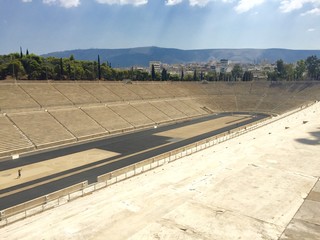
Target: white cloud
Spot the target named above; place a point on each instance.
(241, 5)
(200, 3)
(315, 11)
(124, 2)
(63, 3)
(311, 30)
(26, 1)
(172, 2)
(291, 5)
(246, 5)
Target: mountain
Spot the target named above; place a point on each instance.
(141, 56)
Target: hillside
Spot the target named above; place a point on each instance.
(141, 56)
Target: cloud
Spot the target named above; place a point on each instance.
(291, 5)
(246, 5)
(172, 2)
(315, 11)
(200, 3)
(63, 3)
(124, 2)
(26, 1)
(241, 5)
(311, 30)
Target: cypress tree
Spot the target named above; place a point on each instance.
(61, 68)
(195, 78)
(153, 73)
(69, 71)
(164, 75)
(21, 54)
(99, 68)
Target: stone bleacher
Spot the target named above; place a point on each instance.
(100, 92)
(78, 123)
(108, 119)
(41, 128)
(132, 115)
(211, 88)
(209, 105)
(247, 103)
(45, 95)
(12, 140)
(193, 103)
(259, 88)
(225, 102)
(226, 88)
(242, 88)
(310, 91)
(13, 98)
(41, 115)
(290, 104)
(76, 94)
(152, 112)
(141, 91)
(193, 89)
(123, 92)
(157, 90)
(174, 90)
(184, 108)
(169, 110)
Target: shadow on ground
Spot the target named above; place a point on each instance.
(313, 140)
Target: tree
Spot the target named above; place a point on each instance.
(212, 76)
(99, 68)
(164, 75)
(289, 72)
(300, 69)
(182, 75)
(15, 68)
(195, 77)
(33, 66)
(95, 70)
(237, 72)
(61, 69)
(21, 54)
(281, 70)
(153, 73)
(201, 75)
(313, 66)
(272, 76)
(69, 70)
(247, 76)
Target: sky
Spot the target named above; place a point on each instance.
(44, 26)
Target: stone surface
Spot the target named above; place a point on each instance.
(250, 187)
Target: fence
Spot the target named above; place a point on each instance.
(65, 195)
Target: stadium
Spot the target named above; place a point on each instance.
(159, 160)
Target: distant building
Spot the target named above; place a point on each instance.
(224, 63)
